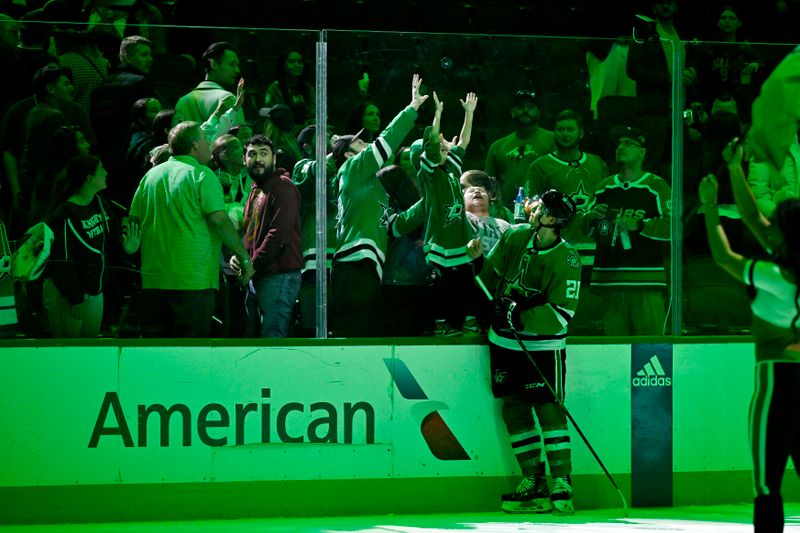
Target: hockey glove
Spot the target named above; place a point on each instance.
(507, 314)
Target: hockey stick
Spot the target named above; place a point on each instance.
(561, 404)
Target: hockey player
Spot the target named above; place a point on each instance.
(535, 277)
(362, 222)
(447, 230)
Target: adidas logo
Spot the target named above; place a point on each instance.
(652, 375)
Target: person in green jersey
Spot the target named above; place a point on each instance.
(362, 222)
(534, 276)
(447, 229)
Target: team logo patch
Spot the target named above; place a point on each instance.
(574, 260)
(604, 227)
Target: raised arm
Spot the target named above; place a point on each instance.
(753, 218)
(469, 106)
(726, 258)
(436, 127)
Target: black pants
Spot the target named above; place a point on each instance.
(774, 436)
(177, 314)
(357, 299)
(457, 295)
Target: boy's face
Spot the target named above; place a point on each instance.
(476, 198)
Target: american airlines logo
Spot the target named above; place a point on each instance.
(440, 439)
(652, 375)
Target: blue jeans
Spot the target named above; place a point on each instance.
(269, 302)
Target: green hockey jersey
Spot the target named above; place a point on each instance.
(517, 266)
(578, 179)
(447, 230)
(363, 207)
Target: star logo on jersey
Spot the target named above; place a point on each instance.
(454, 213)
(385, 215)
(580, 198)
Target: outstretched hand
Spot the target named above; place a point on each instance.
(131, 237)
(439, 103)
(239, 95)
(417, 99)
(470, 103)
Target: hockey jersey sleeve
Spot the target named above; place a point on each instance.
(363, 166)
(403, 223)
(658, 227)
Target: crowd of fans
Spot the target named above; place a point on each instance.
(179, 183)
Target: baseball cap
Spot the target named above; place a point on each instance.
(627, 132)
(525, 94)
(306, 135)
(342, 144)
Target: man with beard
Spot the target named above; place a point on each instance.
(508, 158)
(629, 219)
(272, 239)
(575, 173)
(221, 63)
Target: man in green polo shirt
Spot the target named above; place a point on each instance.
(180, 208)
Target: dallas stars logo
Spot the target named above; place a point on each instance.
(385, 215)
(580, 198)
(454, 213)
